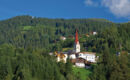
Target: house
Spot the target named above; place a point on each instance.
(94, 33)
(88, 56)
(72, 56)
(51, 53)
(63, 38)
(79, 62)
(71, 37)
(118, 53)
(87, 35)
(61, 57)
(122, 53)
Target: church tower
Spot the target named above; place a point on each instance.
(76, 45)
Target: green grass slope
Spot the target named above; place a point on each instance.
(82, 72)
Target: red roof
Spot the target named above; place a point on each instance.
(76, 37)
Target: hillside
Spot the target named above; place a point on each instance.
(24, 31)
(27, 31)
(25, 42)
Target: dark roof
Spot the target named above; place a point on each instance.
(78, 60)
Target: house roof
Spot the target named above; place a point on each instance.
(87, 53)
(61, 55)
(78, 60)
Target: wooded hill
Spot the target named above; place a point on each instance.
(25, 42)
(25, 31)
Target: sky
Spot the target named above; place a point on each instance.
(113, 10)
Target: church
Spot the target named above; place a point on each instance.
(78, 58)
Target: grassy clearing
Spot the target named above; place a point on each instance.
(27, 27)
(82, 72)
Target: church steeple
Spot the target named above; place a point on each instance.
(76, 45)
(76, 37)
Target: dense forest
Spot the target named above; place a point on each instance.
(26, 31)
(25, 42)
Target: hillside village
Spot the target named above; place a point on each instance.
(76, 56)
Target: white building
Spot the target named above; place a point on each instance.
(94, 33)
(79, 62)
(88, 56)
(61, 57)
(63, 38)
(72, 56)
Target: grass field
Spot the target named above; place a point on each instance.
(82, 72)
(27, 27)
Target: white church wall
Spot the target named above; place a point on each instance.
(77, 48)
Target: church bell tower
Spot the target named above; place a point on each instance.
(76, 45)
